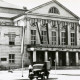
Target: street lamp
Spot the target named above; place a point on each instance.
(22, 43)
(55, 66)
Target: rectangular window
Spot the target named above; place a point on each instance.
(63, 42)
(53, 38)
(44, 37)
(3, 59)
(72, 38)
(11, 39)
(33, 36)
(11, 58)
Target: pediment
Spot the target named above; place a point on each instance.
(44, 9)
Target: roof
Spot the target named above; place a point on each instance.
(8, 5)
(45, 4)
(7, 15)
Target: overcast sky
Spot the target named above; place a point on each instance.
(73, 5)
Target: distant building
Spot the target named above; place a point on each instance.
(51, 32)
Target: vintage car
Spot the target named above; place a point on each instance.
(40, 70)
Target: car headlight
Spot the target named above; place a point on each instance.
(31, 73)
(42, 72)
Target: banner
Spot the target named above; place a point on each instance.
(47, 32)
(22, 42)
(39, 33)
(66, 34)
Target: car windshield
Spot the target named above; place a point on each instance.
(37, 66)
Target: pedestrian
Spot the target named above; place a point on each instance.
(30, 68)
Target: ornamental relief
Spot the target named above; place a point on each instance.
(33, 22)
(43, 23)
(63, 26)
(54, 24)
(72, 26)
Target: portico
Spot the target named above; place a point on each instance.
(63, 58)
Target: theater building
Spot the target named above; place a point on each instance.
(51, 33)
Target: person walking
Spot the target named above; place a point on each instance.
(30, 68)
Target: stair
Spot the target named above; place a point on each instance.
(66, 67)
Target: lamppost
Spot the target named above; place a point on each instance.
(22, 43)
(55, 66)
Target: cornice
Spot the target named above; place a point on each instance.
(53, 16)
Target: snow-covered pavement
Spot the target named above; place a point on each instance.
(59, 74)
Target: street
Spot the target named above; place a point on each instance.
(54, 75)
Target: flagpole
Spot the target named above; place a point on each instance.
(22, 47)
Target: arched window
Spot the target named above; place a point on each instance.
(54, 10)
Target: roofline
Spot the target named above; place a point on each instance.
(14, 8)
(66, 9)
(42, 5)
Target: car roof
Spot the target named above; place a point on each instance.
(38, 64)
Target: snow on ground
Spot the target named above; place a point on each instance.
(59, 74)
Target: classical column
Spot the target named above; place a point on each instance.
(28, 32)
(67, 58)
(57, 58)
(77, 58)
(46, 56)
(69, 43)
(34, 56)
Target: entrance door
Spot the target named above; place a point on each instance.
(31, 57)
(62, 58)
(40, 56)
(72, 57)
(51, 56)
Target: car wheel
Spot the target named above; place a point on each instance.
(43, 78)
(30, 78)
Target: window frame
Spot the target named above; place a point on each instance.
(44, 36)
(11, 58)
(54, 10)
(72, 39)
(63, 37)
(33, 37)
(12, 38)
(54, 38)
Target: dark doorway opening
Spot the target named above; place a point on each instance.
(40, 56)
(51, 57)
(62, 58)
(31, 57)
(72, 59)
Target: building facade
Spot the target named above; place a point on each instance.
(51, 33)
